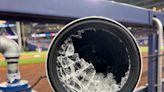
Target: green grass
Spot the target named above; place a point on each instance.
(29, 60)
(43, 59)
(143, 49)
(34, 53)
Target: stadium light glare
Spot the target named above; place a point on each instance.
(2, 22)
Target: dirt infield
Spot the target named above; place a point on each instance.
(33, 71)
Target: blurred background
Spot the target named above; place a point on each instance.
(37, 36)
(34, 39)
(156, 5)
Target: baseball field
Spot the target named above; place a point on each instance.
(32, 66)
